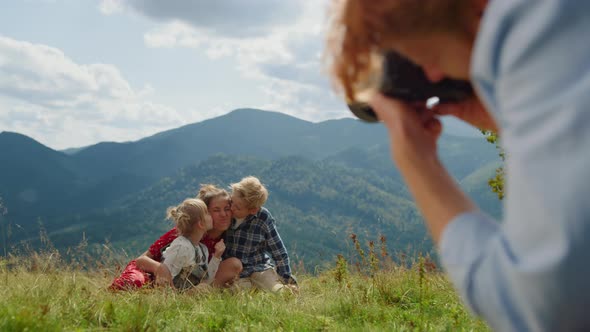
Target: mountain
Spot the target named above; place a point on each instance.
(476, 185)
(243, 132)
(33, 176)
(317, 205)
(71, 151)
(455, 127)
(108, 171)
(326, 179)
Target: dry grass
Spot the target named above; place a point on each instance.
(45, 291)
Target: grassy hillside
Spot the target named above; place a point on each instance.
(317, 205)
(43, 293)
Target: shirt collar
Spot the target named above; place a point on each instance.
(247, 219)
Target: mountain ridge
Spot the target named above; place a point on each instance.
(84, 192)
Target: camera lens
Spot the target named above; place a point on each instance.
(404, 80)
(363, 111)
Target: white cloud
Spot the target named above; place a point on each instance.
(109, 7)
(218, 50)
(226, 18)
(175, 34)
(303, 101)
(288, 33)
(44, 91)
(284, 60)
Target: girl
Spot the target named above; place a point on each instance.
(148, 268)
(187, 258)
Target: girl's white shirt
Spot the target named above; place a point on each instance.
(182, 253)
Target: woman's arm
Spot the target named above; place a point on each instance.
(149, 261)
(160, 271)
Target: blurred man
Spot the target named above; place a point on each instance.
(529, 62)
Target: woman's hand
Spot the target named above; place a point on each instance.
(219, 248)
(471, 111)
(163, 276)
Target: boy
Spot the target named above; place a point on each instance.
(252, 236)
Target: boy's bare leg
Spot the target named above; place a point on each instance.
(267, 280)
(244, 284)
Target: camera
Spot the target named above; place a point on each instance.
(404, 80)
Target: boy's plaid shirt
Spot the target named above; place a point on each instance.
(253, 240)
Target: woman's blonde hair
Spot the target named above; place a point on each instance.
(187, 214)
(209, 192)
(252, 191)
(361, 30)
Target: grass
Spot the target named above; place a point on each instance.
(41, 291)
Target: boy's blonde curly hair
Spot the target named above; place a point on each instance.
(252, 191)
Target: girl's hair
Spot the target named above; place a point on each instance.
(209, 192)
(251, 191)
(186, 214)
(361, 30)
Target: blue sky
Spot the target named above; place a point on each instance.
(78, 72)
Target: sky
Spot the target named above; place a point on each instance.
(78, 72)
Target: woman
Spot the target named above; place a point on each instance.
(147, 268)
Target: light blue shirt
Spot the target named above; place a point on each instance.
(531, 66)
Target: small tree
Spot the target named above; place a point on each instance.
(3, 212)
(496, 183)
(3, 209)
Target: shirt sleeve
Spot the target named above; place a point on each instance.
(531, 65)
(277, 249)
(212, 268)
(212, 264)
(180, 254)
(464, 242)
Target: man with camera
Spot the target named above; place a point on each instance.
(529, 64)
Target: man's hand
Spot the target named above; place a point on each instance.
(163, 276)
(413, 129)
(219, 248)
(471, 111)
(413, 132)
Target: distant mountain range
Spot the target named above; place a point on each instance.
(326, 180)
